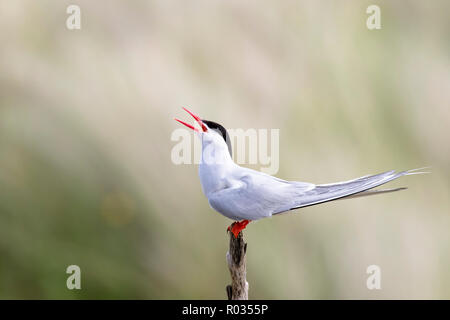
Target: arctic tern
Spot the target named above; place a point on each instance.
(243, 194)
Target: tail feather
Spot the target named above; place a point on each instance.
(347, 189)
(372, 192)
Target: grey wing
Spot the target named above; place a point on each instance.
(255, 196)
(328, 192)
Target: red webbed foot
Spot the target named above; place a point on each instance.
(237, 227)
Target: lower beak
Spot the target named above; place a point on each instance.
(197, 118)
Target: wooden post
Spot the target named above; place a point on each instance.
(238, 290)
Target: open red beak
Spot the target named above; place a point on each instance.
(197, 118)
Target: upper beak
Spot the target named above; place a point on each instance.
(197, 118)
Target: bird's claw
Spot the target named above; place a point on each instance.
(237, 226)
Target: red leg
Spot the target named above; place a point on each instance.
(237, 226)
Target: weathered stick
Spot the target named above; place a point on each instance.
(238, 290)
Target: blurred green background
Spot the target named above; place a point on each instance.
(86, 118)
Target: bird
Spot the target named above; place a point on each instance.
(244, 195)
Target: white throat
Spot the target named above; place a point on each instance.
(216, 166)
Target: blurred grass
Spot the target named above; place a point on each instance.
(85, 124)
